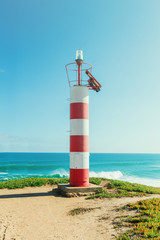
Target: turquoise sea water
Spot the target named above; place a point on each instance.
(139, 168)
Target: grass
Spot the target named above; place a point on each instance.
(37, 182)
(121, 193)
(133, 187)
(145, 224)
(31, 182)
(77, 211)
(117, 189)
(95, 180)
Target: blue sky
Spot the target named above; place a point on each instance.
(120, 38)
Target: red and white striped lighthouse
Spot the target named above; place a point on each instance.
(79, 120)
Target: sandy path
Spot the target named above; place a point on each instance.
(37, 214)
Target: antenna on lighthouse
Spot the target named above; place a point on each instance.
(79, 60)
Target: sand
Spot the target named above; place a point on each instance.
(39, 214)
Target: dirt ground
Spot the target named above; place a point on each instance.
(39, 214)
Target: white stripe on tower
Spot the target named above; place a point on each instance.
(79, 127)
(79, 136)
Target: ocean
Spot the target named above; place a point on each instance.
(137, 168)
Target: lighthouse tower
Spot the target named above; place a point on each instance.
(79, 119)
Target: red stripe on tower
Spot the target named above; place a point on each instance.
(79, 177)
(79, 136)
(79, 111)
(79, 143)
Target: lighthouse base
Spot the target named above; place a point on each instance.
(67, 190)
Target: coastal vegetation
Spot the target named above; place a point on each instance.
(116, 193)
(111, 188)
(144, 223)
(37, 182)
(31, 182)
(116, 188)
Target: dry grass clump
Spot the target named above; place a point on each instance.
(80, 210)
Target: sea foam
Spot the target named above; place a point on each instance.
(133, 179)
(144, 181)
(110, 175)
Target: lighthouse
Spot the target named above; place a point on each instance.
(80, 82)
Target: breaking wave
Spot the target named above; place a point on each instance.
(59, 173)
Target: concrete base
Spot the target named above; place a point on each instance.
(67, 190)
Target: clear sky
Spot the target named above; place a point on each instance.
(121, 38)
